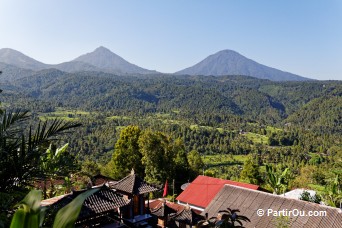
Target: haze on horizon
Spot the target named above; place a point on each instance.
(301, 37)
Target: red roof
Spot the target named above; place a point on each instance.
(158, 203)
(203, 189)
(178, 207)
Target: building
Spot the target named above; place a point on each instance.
(136, 190)
(117, 203)
(174, 215)
(269, 210)
(102, 207)
(296, 193)
(201, 191)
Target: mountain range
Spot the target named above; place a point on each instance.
(15, 64)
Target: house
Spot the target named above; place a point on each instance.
(296, 193)
(163, 213)
(201, 191)
(102, 207)
(116, 203)
(136, 190)
(269, 210)
(186, 218)
(174, 215)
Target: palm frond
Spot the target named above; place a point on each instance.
(47, 131)
(9, 121)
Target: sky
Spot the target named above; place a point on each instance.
(303, 37)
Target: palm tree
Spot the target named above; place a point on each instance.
(230, 218)
(277, 182)
(207, 222)
(227, 218)
(21, 149)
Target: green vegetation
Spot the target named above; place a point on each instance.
(257, 138)
(64, 114)
(31, 215)
(171, 127)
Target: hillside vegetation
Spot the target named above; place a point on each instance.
(290, 124)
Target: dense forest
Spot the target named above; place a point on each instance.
(231, 127)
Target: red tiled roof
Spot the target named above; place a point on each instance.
(183, 213)
(158, 203)
(203, 189)
(100, 180)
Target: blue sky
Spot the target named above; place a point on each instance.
(298, 36)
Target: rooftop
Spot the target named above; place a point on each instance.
(248, 201)
(180, 213)
(133, 185)
(203, 189)
(296, 193)
(104, 200)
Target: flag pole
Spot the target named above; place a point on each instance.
(173, 192)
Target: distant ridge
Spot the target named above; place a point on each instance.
(18, 59)
(103, 58)
(228, 62)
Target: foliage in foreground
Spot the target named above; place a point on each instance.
(31, 215)
(21, 150)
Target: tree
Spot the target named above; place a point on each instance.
(276, 182)
(250, 172)
(230, 218)
(195, 162)
(306, 196)
(127, 155)
(226, 219)
(90, 168)
(158, 156)
(181, 162)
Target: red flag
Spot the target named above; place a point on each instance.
(165, 189)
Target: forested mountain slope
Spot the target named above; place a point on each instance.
(254, 99)
(226, 119)
(321, 114)
(11, 73)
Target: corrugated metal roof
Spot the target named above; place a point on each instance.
(232, 197)
(203, 189)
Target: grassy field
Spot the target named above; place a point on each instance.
(256, 138)
(223, 159)
(65, 114)
(219, 164)
(273, 129)
(119, 118)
